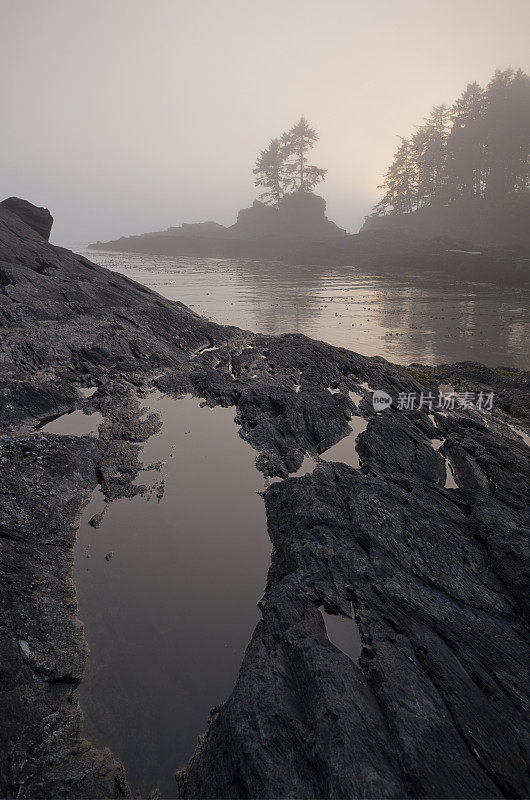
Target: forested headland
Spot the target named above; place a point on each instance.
(461, 182)
(477, 148)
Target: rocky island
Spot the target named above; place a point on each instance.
(434, 574)
(456, 200)
(299, 233)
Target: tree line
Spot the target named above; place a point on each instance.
(479, 147)
(284, 167)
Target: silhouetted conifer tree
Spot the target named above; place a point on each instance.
(466, 147)
(399, 182)
(298, 142)
(421, 177)
(270, 171)
(507, 129)
(478, 148)
(435, 154)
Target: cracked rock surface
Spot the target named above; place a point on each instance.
(437, 577)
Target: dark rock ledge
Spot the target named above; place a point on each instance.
(437, 577)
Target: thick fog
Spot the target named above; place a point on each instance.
(128, 116)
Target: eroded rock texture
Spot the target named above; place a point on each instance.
(43, 484)
(437, 577)
(438, 581)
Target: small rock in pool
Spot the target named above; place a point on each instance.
(97, 519)
(109, 555)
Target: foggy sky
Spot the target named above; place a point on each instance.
(124, 116)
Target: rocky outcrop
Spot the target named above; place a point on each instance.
(260, 231)
(63, 322)
(434, 706)
(435, 577)
(299, 233)
(419, 715)
(44, 482)
(38, 219)
(301, 215)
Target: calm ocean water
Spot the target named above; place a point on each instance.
(430, 320)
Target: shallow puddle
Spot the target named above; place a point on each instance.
(344, 634)
(450, 482)
(167, 591)
(345, 451)
(436, 443)
(308, 465)
(87, 391)
(356, 397)
(73, 423)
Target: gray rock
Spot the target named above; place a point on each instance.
(38, 219)
(43, 650)
(96, 520)
(437, 577)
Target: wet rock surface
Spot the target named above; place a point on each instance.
(43, 485)
(437, 577)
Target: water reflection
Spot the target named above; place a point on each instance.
(71, 423)
(345, 450)
(428, 319)
(168, 617)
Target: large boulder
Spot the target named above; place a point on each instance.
(39, 219)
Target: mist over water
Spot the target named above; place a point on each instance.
(125, 117)
(431, 320)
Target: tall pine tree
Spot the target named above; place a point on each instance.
(283, 165)
(421, 172)
(299, 141)
(520, 118)
(507, 130)
(270, 171)
(478, 148)
(435, 153)
(399, 182)
(466, 147)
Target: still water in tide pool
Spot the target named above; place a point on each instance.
(430, 320)
(167, 590)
